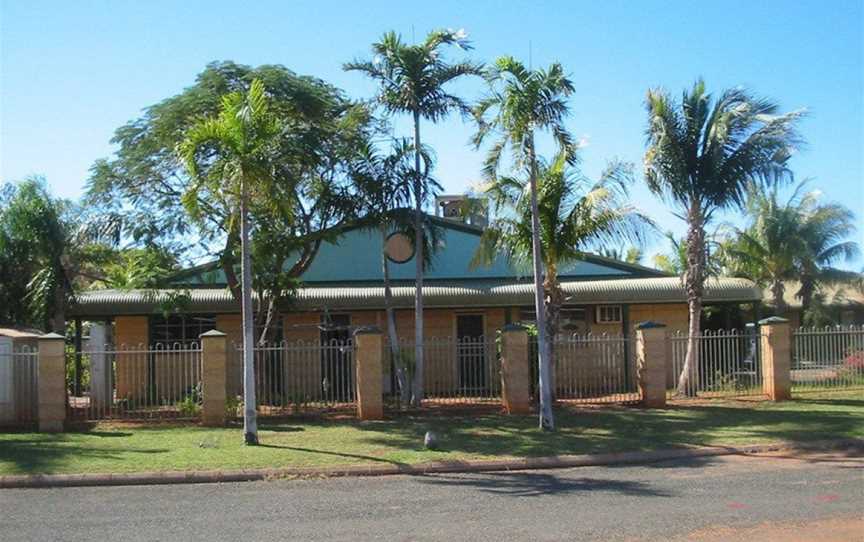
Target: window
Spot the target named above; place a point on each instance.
(182, 329)
(571, 320)
(609, 314)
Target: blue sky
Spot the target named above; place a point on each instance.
(72, 72)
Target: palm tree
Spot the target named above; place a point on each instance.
(65, 247)
(825, 232)
(799, 239)
(701, 154)
(412, 80)
(574, 214)
(238, 145)
(386, 188)
(520, 103)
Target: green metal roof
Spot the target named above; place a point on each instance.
(356, 257)
(464, 293)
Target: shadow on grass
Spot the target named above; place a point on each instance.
(41, 456)
(582, 431)
(859, 403)
(537, 484)
(326, 452)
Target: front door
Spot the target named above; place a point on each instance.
(337, 375)
(471, 353)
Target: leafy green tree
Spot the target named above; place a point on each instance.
(240, 144)
(412, 79)
(575, 214)
(520, 103)
(139, 268)
(312, 199)
(701, 154)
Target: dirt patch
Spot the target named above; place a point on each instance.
(828, 530)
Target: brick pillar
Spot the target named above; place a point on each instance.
(214, 377)
(369, 345)
(515, 370)
(651, 362)
(776, 358)
(52, 383)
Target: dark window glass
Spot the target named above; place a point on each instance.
(182, 329)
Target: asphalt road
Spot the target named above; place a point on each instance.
(764, 498)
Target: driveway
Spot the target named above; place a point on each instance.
(771, 497)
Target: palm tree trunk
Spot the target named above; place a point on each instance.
(554, 299)
(58, 319)
(694, 284)
(777, 291)
(250, 422)
(547, 421)
(418, 258)
(395, 358)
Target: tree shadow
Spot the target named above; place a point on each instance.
(586, 431)
(537, 484)
(327, 452)
(40, 456)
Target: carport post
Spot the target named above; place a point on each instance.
(52, 383)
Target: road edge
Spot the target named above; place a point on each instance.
(531, 463)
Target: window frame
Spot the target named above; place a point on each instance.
(598, 314)
(190, 328)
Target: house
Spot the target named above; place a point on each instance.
(343, 290)
(843, 304)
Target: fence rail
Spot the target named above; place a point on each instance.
(827, 358)
(594, 369)
(292, 376)
(134, 382)
(464, 370)
(728, 364)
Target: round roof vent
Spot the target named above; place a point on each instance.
(398, 248)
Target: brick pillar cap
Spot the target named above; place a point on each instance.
(514, 327)
(213, 333)
(51, 336)
(650, 325)
(773, 320)
(367, 330)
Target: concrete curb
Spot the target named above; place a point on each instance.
(533, 463)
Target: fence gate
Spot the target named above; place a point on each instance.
(290, 376)
(728, 364)
(141, 382)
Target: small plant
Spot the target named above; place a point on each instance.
(188, 407)
(234, 406)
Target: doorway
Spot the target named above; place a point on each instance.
(337, 374)
(471, 353)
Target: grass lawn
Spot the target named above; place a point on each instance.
(105, 448)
